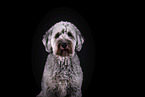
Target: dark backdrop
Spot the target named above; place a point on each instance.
(107, 27)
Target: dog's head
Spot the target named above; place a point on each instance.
(63, 39)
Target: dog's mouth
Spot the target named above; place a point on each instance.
(64, 49)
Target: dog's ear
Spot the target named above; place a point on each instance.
(79, 40)
(46, 40)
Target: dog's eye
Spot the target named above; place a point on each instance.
(57, 35)
(70, 35)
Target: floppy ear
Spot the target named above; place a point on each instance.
(46, 40)
(79, 40)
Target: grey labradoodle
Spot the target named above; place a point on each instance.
(62, 76)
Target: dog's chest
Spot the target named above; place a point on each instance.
(64, 70)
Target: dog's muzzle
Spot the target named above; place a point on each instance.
(64, 49)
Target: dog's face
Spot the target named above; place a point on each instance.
(63, 39)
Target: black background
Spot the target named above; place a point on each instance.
(106, 24)
(112, 24)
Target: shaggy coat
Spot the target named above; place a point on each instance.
(62, 76)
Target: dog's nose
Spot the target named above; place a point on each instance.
(64, 45)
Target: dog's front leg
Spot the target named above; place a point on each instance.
(75, 92)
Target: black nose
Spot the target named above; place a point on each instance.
(64, 45)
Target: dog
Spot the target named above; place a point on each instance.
(62, 76)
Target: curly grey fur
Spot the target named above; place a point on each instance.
(62, 78)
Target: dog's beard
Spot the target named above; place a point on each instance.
(64, 51)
